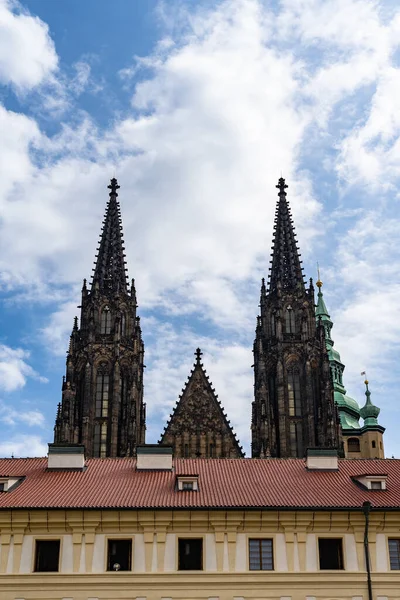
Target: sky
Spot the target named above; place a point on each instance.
(197, 107)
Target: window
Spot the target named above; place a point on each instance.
(190, 554)
(353, 445)
(187, 483)
(105, 321)
(373, 444)
(212, 450)
(119, 555)
(290, 321)
(102, 387)
(273, 325)
(394, 554)
(296, 439)
(47, 555)
(2, 486)
(123, 324)
(260, 555)
(186, 451)
(294, 393)
(376, 485)
(330, 553)
(100, 440)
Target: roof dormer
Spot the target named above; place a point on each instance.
(187, 483)
(375, 483)
(8, 483)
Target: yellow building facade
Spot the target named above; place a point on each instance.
(190, 552)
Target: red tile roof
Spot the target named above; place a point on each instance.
(223, 483)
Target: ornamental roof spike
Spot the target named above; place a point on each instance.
(285, 263)
(109, 272)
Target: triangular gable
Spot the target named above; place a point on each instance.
(198, 426)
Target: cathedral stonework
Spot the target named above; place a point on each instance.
(293, 406)
(198, 427)
(102, 393)
(299, 398)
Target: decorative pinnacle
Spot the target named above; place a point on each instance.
(281, 186)
(113, 187)
(198, 354)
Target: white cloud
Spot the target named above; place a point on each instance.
(23, 446)
(27, 53)
(14, 368)
(10, 416)
(238, 96)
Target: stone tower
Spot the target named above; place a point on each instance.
(102, 392)
(293, 406)
(198, 427)
(359, 441)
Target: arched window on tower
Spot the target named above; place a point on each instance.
(102, 394)
(294, 392)
(122, 324)
(296, 439)
(100, 440)
(290, 320)
(273, 325)
(353, 445)
(105, 322)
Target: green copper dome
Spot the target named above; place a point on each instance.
(348, 402)
(369, 411)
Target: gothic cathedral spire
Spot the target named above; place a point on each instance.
(102, 393)
(293, 406)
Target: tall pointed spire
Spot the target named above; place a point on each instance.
(293, 406)
(110, 267)
(286, 271)
(321, 313)
(102, 395)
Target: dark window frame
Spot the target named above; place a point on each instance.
(376, 485)
(187, 486)
(355, 442)
(45, 564)
(181, 561)
(394, 553)
(262, 558)
(322, 553)
(110, 562)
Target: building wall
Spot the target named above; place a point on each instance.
(371, 445)
(226, 574)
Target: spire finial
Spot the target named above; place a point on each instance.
(281, 186)
(364, 374)
(198, 354)
(113, 187)
(319, 282)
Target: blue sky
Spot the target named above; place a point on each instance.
(197, 108)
